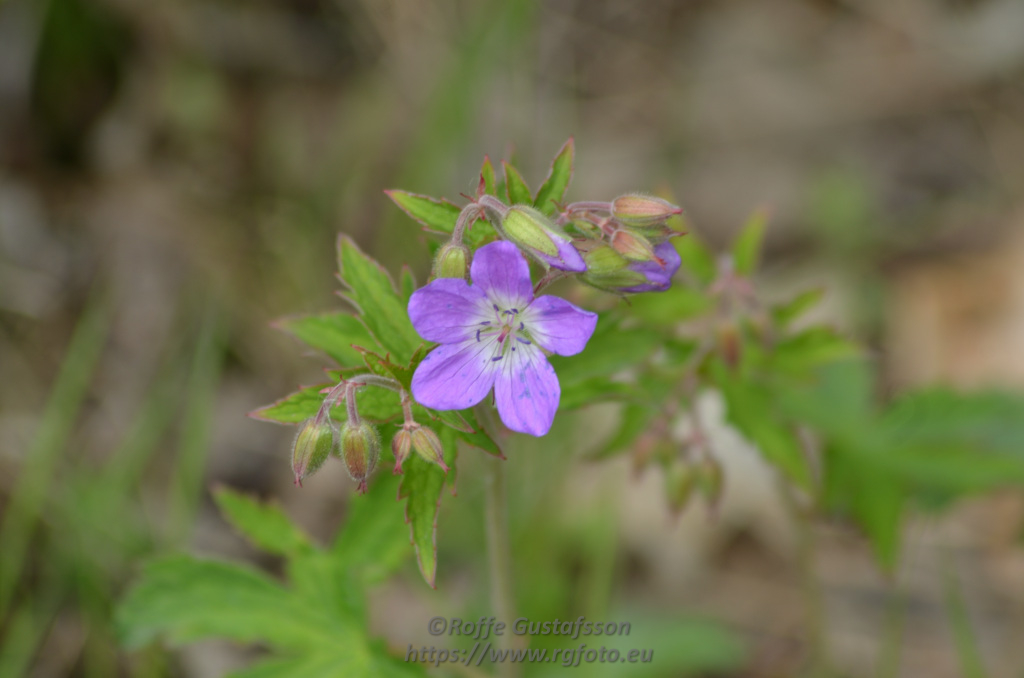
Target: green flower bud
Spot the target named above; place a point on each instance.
(426, 444)
(585, 228)
(452, 261)
(401, 446)
(360, 449)
(608, 270)
(634, 246)
(529, 228)
(642, 211)
(313, 444)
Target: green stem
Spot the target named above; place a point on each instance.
(499, 549)
(814, 603)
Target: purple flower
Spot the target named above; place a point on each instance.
(659, 278)
(491, 335)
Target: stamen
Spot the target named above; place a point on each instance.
(523, 341)
(478, 335)
(521, 327)
(496, 358)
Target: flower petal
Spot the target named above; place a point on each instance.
(448, 310)
(526, 391)
(456, 376)
(501, 272)
(568, 258)
(659, 277)
(559, 326)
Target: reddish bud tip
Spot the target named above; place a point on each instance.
(426, 444)
(642, 211)
(359, 449)
(313, 445)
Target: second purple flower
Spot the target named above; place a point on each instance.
(492, 334)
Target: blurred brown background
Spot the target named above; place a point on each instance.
(184, 167)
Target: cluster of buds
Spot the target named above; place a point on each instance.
(416, 438)
(625, 243)
(357, 442)
(419, 439)
(619, 246)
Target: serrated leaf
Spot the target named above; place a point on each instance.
(374, 540)
(478, 437)
(400, 373)
(422, 483)
(746, 250)
(811, 349)
(466, 427)
(319, 665)
(265, 525)
(784, 314)
(381, 309)
(375, 404)
(697, 259)
(874, 498)
(753, 410)
(487, 176)
(333, 333)
(439, 216)
(609, 350)
(666, 309)
(434, 214)
(518, 191)
(593, 391)
(187, 599)
(557, 182)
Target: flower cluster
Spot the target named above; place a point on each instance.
(494, 333)
(493, 329)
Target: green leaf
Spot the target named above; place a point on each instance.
(400, 373)
(436, 215)
(697, 259)
(487, 175)
(478, 436)
(265, 525)
(610, 350)
(666, 309)
(406, 285)
(593, 391)
(373, 540)
(753, 410)
(375, 404)
(875, 498)
(785, 313)
(634, 420)
(811, 349)
(319, 665)
(518, 191)
(554, 187)
(381, 309)
(187, 599)
(333, 333)
(746, 250)
(422, 483)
